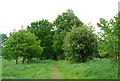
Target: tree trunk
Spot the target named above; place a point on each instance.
(16, 60)
(23, 60)
(28, 60)
(55, 57)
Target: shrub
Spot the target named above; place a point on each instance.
(80, 44)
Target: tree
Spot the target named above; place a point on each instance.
(80, 44)
(67, 20)
(3, 39)
(109, 38)
(63, 24)
(22, 44)
(44, 31)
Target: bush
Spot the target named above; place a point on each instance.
(80, 44)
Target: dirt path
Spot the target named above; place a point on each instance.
(55, 72)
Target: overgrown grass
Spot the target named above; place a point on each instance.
(97, 69)
(0, 64)
(39, 70)
(0, 68)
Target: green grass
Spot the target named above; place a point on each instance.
(0, 69)
(40, 70)
(100, 69)
(0, 64)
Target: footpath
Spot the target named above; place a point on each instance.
(55, 72)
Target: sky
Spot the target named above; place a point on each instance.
(17, 13)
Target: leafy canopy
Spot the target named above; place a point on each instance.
(44, 31)
(22, 44)
(63, 23)
(109, 39)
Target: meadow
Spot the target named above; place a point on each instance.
(39, 70)
(0, 64)
(67, 37)
(96, 69)
(42, 69)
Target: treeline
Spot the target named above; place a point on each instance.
(67, 37)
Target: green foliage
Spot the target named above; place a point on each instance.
(41, 69)
(67, 20)
(44, 31)
(22, 44)
(94, 69)
(109, 38)
(80, 44)
(57, 46)
(0, 68)
(3, 39)
(63, 24)
(66, 38)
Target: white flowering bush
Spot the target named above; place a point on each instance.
(80, 44)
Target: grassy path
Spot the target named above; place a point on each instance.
(55, 72)
(62, 69)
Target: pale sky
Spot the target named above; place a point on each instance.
(17, 13)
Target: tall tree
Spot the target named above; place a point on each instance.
(22, 44)
(63, 23)
(109, 38)
(44, 31)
